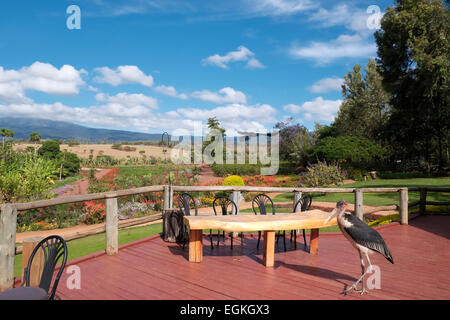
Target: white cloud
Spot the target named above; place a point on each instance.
(280, 7)
(119, 113)
(357, 43)
(345, 46)
(39, 76)
(241, 54)
(326, 85)
(353, 19)
(13, 92)
(129, 100)
(170, 91)
(225, 95)
(123, 74)
(318, 109)
(234, 117)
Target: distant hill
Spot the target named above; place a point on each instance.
(49, 129)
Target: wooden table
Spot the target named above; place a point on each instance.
(312, 219)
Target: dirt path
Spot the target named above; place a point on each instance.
(207, 175)
(81, 186)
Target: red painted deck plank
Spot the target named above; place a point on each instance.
(158, 270)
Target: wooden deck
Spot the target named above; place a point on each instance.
(153, 269)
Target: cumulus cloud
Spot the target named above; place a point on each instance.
(280, 7)
(318, 109)
(122, 75)
(241, 54)
(354, 19)
(356, 43)
(345, 46)
(170, 91)
(327, 85)
(39, 76)
(129, 100)
(225, 95)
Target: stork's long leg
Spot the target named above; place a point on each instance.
(363, 273)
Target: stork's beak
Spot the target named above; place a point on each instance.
(332, 215)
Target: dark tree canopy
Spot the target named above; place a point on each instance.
(414, 62)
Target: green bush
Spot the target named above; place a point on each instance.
(71, 164)
(233, 181)
(50, 149)
(355, 152)
(223, 170)
(322, 175)
(356, 174)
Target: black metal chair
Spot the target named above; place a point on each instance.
(184, 203)
(261, 200)
(305, 203)
(53, 249)
(224, 203)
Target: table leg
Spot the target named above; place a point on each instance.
(314, 241)
(195, 245)
(269, 248)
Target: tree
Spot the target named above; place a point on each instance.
(213, 125)
(49, 149)
(6, 133)
(414, 62)
(35, 137)
(69, 164)
(295, 140)
(354, 152)
(365, 110)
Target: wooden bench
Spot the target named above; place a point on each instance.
(312, 219)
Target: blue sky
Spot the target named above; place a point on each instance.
(163, 65)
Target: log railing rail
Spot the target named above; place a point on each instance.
(8, 214)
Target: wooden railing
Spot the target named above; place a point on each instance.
(8, 218)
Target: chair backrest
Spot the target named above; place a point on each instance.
(261, 200)
(53, 248)
(304, 202)
(184, 199)
(224, 203)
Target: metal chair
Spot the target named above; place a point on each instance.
(53, 248)
(261, 200)
(305, 203)
(184, 203)
(224, 204)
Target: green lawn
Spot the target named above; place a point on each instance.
(381, 199)
(84, 246)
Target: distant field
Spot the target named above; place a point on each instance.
(84, 150)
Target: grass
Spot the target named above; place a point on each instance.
(381, 199)
(63, 182)
(84, 246)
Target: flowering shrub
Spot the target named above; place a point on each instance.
(134, 209)
(322, 174)
(233, 181)
(95, 212)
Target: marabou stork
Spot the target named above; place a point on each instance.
(365, 239)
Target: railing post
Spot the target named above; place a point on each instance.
(170, 197)
(297, 197)
(37, 266)
(403, 207)
(112, 227)
(359, 203)
(423, 200)
(236, 197)
(166, 197)
(8, 223)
